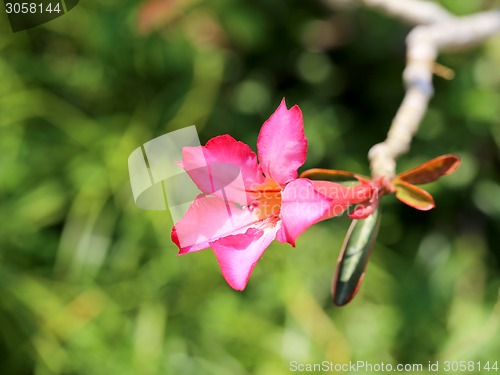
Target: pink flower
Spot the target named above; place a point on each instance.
(246, 205)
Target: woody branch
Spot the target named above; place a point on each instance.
(437, 31)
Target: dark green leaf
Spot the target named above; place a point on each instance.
(353, 258)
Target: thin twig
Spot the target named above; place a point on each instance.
(415, 12)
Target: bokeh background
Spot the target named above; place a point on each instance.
(91, 284)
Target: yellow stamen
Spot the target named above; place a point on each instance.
(266, 199)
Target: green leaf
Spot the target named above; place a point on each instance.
(353, 258)
(414, 196)
(430, 171)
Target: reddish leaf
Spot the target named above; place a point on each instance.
(333, 175)
(152, 13)
(363, 210)
(413, 196)
(353, 258)
(156, 13)
(430, 171)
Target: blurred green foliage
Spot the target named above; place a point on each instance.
(90, 284)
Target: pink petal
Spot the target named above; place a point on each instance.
(224, 167)
(281, 145)
(208, 219)
(342, 197)
(302, 206)
(238, 254)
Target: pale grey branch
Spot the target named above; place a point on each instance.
(424, 42)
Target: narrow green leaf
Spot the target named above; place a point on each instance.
(430, 171)
(414, 196)
(351, 266)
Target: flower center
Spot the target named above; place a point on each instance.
(266, 200)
